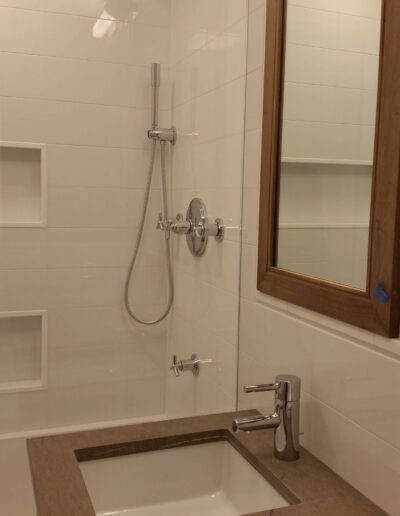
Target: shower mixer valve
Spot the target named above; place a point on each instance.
(196, 227)
(177, 225)
(192, 365)
(180, 366)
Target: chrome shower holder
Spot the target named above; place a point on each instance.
(163, 135)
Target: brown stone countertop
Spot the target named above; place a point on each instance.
(310, 486)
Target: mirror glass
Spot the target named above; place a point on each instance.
(331, 69)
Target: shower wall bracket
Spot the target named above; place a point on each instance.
(196, 227)
(163, 134)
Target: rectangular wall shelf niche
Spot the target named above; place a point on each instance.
(23, 351)
(22, 184)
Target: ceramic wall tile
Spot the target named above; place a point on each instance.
(86, 97)
(153, 12)
(208, 58)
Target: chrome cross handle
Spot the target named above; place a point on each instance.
(177, 225)
(180, 366)
(180, 226)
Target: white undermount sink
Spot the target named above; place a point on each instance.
(210, 479)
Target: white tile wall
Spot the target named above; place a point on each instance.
(208, 58)
(350, 415)
(23, 185)
(16, 490)
(21, 350)
(87, 98)
(328, 118)
(333, 105)
(324, 221)
(151, 12)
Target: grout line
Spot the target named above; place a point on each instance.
(213, 38)
(298, 314)
(353, 422)
(55, 430)
(245, 136)
(231, 294)
(107, 187)
(339, 13)
(141, 67)
(92, 268)
(55, 143)
(102, 228)
(84, 59)
(79, 146)
(213, 140)
(209, 330)
(261, 6)
(85, 16)
(333, 86)
(324, 122)
(85, 103)
(80, 102)
(212, 90)
(332, 49)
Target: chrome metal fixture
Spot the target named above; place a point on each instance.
(162, 136)
(155, 79)
(180, 366)
(156, 133)
(196, 227)
(193, 365)
(285, 419)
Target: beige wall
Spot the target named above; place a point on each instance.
(350, 378)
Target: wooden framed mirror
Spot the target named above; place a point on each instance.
(329, 199)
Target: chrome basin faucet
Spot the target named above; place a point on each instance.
(285, 419)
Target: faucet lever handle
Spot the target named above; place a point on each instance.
(176, 366)
(264, 387)
(160, 222)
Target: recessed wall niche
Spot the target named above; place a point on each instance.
(22, 184)
(23, 351)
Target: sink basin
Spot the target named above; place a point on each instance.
(210, 479)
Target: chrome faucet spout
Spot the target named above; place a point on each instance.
(248, 424)
(284, 420)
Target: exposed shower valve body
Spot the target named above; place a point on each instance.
(215, 229)
(178, 225)
(196, 227)
(180, 366)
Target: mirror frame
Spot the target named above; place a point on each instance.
(376, 309)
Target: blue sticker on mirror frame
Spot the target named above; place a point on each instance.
(380, 294)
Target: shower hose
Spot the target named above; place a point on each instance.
(140, 236)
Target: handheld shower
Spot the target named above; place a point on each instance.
(155, 90)
(156, 135)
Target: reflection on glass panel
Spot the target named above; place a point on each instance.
(328, 131)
